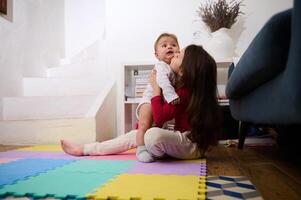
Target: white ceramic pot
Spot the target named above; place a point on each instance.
(220, 45)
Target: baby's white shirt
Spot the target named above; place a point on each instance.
(169, 93)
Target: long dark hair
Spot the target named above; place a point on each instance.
(199, 76)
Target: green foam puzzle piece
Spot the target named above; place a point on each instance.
(73, 180)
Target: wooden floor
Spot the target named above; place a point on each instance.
(273, 177)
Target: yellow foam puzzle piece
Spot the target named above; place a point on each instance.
(42, 148)
(149, 187)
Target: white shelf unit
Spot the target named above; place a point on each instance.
(131, 73)
(131, 101)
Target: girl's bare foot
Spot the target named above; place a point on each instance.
(72, 148)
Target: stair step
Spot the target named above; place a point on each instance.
(99, 123)
(47, 107)
(61, 86)
(47, 131)
(78, 69)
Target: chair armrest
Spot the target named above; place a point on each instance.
(265, 57)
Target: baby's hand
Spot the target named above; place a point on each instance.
(176, 101)
(154, 84)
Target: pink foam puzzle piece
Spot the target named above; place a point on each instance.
(128, 155)
(35, 154)
(111, 157)
(7, 160)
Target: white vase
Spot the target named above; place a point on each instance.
(220, 45)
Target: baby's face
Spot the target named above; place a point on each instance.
(166, 48)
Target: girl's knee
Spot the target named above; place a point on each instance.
(152, 136)
(153, 141)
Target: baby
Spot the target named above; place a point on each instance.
(166, 46)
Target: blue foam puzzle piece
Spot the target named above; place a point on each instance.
(23, 168)
(74, 180)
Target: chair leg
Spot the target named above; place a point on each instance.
(242, 133)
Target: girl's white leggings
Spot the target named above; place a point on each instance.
(159, 142)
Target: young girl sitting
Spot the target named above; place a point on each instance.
(197, 122)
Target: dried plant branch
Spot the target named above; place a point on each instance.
(220, 14)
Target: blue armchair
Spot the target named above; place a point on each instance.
(265, 86)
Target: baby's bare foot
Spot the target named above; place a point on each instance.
(72, 148)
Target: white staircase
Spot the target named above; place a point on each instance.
(46, 107)
(75, 101)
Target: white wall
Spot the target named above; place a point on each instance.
(256, 14)
(30, 43)
(133, 25)
(84, 24)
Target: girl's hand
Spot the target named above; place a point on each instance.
(154, 84)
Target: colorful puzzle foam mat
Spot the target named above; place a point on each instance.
(46, 171)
